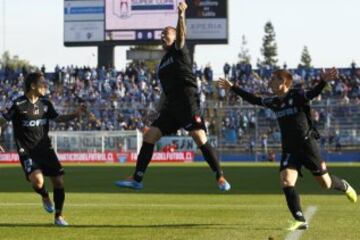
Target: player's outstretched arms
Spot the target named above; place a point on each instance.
(68, 117)
(325, 76)
(181, 26)
(249, 97)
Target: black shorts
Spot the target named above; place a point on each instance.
(308, 155)
(46, 161)
(172, 119)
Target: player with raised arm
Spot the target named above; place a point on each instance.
(181, 107)
(30, 115)
(298, 137)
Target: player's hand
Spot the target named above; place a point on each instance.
(182, 8)
(329, 74)
(2, 149)
(224, 83)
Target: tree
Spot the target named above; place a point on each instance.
(244, 55)
(305, 58)
(13, 62)
(269, 47)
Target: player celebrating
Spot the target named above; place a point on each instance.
(299, 145)
(181, 108)
(30, 115)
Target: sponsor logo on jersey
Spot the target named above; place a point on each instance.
(286, 112)
(34, 123)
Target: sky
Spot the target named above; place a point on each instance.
(329, 28)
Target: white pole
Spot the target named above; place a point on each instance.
(102, 143)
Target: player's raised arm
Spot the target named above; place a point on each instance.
(328, 75)
(181, 26)
(249, 97)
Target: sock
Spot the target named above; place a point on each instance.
(42, 191)
(338, 184)
(293, 202)
(59, 198)
(143, 160)
(210, 157)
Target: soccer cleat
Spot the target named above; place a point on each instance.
(298, 225)
(60, 221)
(224, 186)
(350, 192)
(47, 205)
(130, 183)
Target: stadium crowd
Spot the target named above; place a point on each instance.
(126, 100)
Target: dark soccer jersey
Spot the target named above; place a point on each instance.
(175, 74)
(292, 113)
(31, 123)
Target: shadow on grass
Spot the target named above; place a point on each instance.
(173, 179)
(199, 225)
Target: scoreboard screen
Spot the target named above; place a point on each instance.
(131, 22)
(140, 20)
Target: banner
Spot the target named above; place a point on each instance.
(167, 157)
(107, 157)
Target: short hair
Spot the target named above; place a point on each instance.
(284, 75)
(32, 78)
(170, 28)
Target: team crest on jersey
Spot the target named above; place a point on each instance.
(291, 101)
(45, 109)
(36, 111)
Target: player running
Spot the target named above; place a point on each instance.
(298, 136)
(30, 115)
(181, 108)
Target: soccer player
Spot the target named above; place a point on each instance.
(30, 115)
(298, 136)
(181, 107)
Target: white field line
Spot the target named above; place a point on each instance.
(309, 213)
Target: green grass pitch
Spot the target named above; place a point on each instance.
(179, 201)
